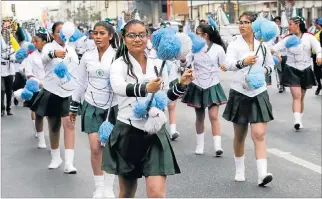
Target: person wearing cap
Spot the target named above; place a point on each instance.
(317, 68)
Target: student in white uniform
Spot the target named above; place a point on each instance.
(206, 91)
(131, 152)
(53, 101)
(174, 72)
(298, 73)
(7, 71)
(35, 69)
(248, 105)
(92, 76)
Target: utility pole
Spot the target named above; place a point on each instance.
(191, 16)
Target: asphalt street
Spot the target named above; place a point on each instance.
(294, 158)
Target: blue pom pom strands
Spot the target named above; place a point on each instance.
(256, 78)
(268, 30)
(161, 100)
(292, 41)
(62, 37)
(26, 94)
(212, 22)
(198, 43)
(21, 54)
(31, 48)
(157, 36)
(32, 85)
(276, 60)
(104, 132)
(140, 109)
(256, 25)
(61, 71)
(76, 36)
(169, 47)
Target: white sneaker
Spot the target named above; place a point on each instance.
(200, 143)
(239, 177)
(70, 169)
(262, 181)
(99, 193)
(55, 163)
(174, 135)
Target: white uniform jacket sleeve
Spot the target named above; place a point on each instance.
(47, 54)
(280, 45)
(232, 62)
(81, 81)
(222, 56)
(28, 68)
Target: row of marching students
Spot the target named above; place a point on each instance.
(130, 152)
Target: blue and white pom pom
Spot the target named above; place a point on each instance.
(140, 108)
(17, 95)
(268, 30)
(186, 45)
(156, 120)
(31, 48)
(169, 47)
(292, 41)
(26, 94)
(21, 54)
(161, 100)
(32, 85)
(76, 36)
(198, 43)
(256, 77)
(105, 131)
(61, 70)
(157, 35)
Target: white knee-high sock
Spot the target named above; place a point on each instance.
(240, 168)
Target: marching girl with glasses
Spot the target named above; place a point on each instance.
(130, 152)
(92, 77)
(206, 90)
(298, 73)
(245, 104)
(54, 99)
(35, 69)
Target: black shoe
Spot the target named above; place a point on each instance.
(2, 113)
(15, 101)
(317, 92)
(9, 113)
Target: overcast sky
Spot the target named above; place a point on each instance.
(30, 9)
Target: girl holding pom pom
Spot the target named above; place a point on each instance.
(130, 152)
(249, 104)
(206, 90)
(92, 80)
(298, 73)
(35, 69)
(53, 101)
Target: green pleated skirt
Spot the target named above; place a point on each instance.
(293, 77)
(93, 117)
(242, 109)
(198, 97)
(133, 153)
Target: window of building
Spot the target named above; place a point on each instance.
(164, 8)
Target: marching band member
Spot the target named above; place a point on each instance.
(206, 90)
(248, 105)
(317, 68)
(131, 152)
(92, 76)
(35, 69)
(53, 101)
(174, 72)
(298, 74)
(7, 69)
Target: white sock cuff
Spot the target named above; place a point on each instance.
(173, 128)
(240, 158)
(99, 181)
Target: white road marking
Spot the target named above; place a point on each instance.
(295, 160)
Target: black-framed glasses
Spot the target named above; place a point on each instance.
(134, 36)
(243, 22)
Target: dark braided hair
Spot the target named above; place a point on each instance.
(300, 21)
(252, 16)
(123, 51)
(109, 28)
